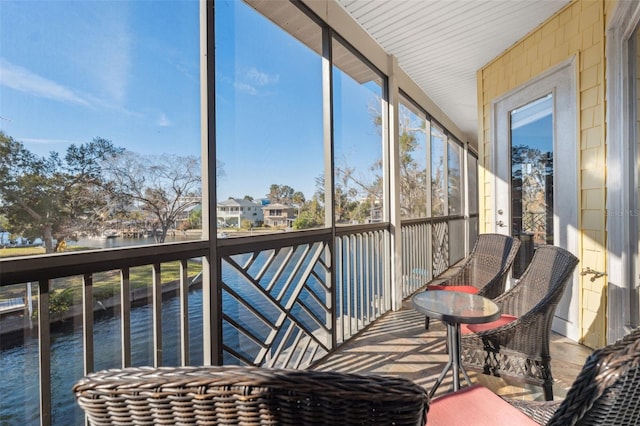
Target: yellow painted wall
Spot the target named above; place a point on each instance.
(577, 30)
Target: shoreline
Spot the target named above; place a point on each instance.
(15, 329)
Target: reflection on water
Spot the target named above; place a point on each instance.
(19, 365)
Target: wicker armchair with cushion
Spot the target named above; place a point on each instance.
(606, 392)
(517, 344)
(485, 270)
(247, 396)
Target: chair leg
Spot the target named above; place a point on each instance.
(426, 322)
(548, 391)
(547, 379)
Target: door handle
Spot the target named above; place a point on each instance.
(501, 224)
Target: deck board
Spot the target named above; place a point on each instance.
(397, 344)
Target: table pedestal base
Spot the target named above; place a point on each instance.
(455, 363)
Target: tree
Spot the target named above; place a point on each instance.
(438, 193)
(163, 186)
(195, 218)
(311, 215)
(413, 179)
(52, 197)
(298, 200)
(532, 191)
(282, 194)
(356, 198)
(413, 176)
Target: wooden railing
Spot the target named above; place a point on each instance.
(282, 300)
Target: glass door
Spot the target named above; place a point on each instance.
(531, 137)
(535, 168)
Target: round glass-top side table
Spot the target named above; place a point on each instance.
(455, 308)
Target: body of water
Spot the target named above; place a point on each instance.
(98, 243)
(19, 404)
(19, 392)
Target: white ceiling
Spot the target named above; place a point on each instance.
(441, 44)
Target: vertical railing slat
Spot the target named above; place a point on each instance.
(87, 322)
(369, 293)
(125, 315)
(339, 288)
(157, 315)
(44, 352)
(184, 312)
(363, 283)
(349, 284)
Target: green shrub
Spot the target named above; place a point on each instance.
(60, 301)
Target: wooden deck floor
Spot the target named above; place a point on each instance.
(398, 345)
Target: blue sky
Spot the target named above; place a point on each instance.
(532, 124)
(268, 106)
(129, 72)
(71, 71)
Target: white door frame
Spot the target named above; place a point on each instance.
(622, 181)
(561, 82)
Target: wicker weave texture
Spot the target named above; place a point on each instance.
(242, 395)
(539, 411)
(487, 265)
(606, 392)
(520, 349)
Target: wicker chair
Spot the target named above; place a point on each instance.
(517, 345)
(606, 392)
(485, 270)
(247, 396)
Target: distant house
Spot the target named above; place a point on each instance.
(233, 211)
(262, 201)
(183, 216)
(278, 215)
(376, 215)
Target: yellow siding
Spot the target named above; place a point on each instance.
(577, 30)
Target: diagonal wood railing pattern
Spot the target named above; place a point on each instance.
(440, 244)
(277, 306)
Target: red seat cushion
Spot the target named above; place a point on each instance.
(476, 328)
(477, 406)
(461, 288)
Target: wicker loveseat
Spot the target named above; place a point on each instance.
(517, 345)
(485, 270)
(247, 396)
